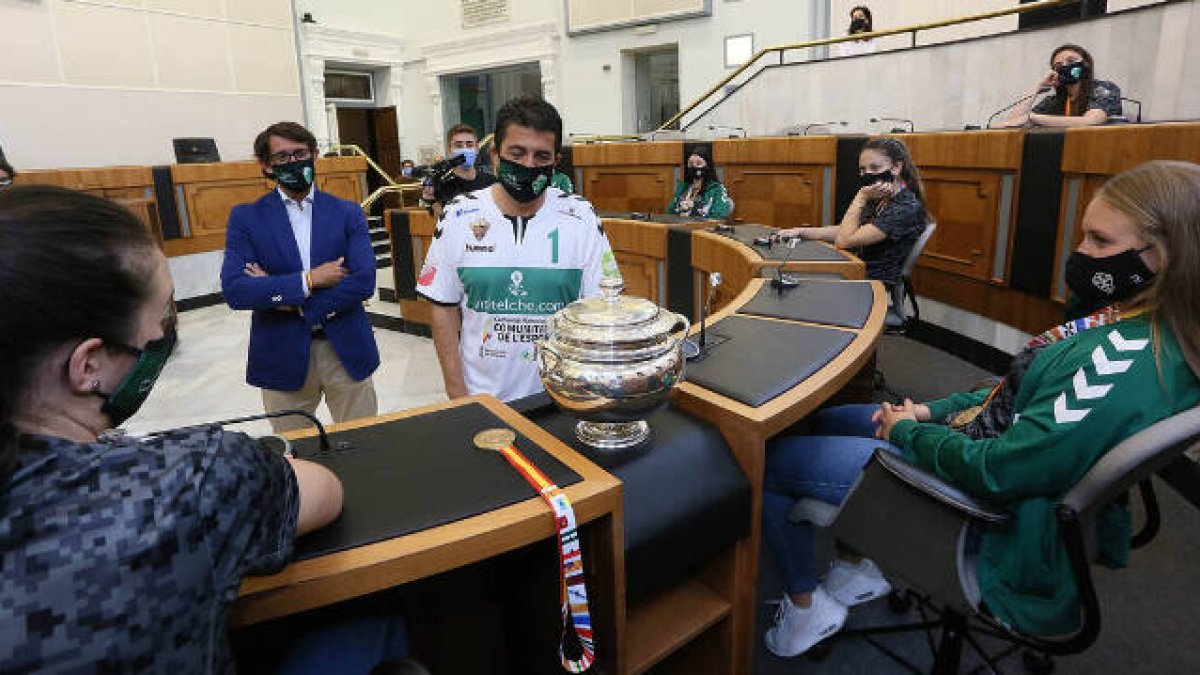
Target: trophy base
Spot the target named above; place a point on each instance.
(612, 435)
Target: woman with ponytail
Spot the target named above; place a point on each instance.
(117, 554)
(887, 215)
(1130, 344)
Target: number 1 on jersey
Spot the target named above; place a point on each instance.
(553, 237)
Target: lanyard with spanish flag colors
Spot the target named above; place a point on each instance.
(576, 619)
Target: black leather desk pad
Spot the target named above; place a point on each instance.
(665, 218)
(762, 359)
(419, 472)
(836, 303)
(805, 251)
(685, 500)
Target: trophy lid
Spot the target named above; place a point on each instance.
(612, 319)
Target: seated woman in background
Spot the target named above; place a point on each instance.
(7, 173)
(887, 215)
(1026, 442)
(118, 554)
(700, 194)
(1079, 100)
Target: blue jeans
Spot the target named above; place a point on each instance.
(821, 466)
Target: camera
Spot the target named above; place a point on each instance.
(439, 172)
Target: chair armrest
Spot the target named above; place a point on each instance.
(929, 484)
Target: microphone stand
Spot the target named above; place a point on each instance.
(697, 349)
(783, 282)
(1012, 105)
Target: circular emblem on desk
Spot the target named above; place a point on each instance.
(495, 439)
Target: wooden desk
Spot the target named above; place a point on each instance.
(356, 572)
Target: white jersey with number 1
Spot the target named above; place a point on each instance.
(508, 276)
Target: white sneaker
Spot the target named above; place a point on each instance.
(797, 629)
(853, 584)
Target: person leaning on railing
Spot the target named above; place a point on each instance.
(700, 194)
(1079, 100)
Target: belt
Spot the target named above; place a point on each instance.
(319, 334)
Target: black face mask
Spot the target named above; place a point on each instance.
(1098, 282)
(696, 172)
(296, 176)
(869, 179)
(859, 26)
(524, 183)
(135, 387)
(1070, 73)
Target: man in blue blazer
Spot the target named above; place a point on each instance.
(302, 260)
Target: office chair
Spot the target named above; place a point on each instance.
(897, 316)
(876, 519)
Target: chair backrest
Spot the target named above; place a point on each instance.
(911, 261)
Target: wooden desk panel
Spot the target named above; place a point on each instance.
(778, 195)
(820, 150)
(628, 154)
(967, 149)
(645, 189)
(641, 252)
(1110, 150)
(737, 263)
(340, 576)
(965, 204)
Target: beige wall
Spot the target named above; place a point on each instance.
(92, 83)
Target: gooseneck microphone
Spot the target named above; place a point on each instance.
(896, 130)
(1014, 104)
(822, 124)
(714, 280)
(782, 281)
(714, 127)
(322, 435)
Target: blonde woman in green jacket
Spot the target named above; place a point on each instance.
(700, 194)
(1128, 357)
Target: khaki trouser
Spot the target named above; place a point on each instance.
(346, 398)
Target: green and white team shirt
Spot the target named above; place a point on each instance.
(508, 276)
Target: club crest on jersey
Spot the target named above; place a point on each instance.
(428, 273)
(515, 288)
(480, 229)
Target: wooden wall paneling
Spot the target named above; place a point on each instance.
(421, 225)
(965, 204)
(208, 204)
(647, 189)
(345, 185)
(1014, 308)
(778, 195)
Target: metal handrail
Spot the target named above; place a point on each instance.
(780, 49)
(370, 162)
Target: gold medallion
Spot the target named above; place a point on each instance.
(495, 439)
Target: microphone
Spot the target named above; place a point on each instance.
(896, 130)
(692, 350)
(782, 281)
(714, 127)
(1014, 104)
(321, 433)
(821, 124)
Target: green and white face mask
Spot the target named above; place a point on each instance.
(135, 387)
(524, 183)
(296, 176)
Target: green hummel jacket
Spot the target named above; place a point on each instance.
(1081, 397)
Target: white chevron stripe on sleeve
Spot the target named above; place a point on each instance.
(1063, 414)
(1085, 391)
(1106, 367)
(1124, 345)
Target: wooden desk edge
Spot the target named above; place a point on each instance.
(365, 569)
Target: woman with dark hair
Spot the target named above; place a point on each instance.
(887, 215)
(1128, 357)
(860, 22)
(1079, 100)
(700, 194)
(118, 554)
